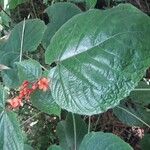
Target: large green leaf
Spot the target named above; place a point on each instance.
(65, 132)
(103, 141)
(58, 14)
(10, 134)
(29, 70)
(100, 61)
(44, 102)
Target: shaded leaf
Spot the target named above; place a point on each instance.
(28, 147)
(103, 141)
(141, 94)
(3, 97)
(54, 147)
(58, 13)
(136, 109)
(90, 3)
(44, 102)
(10, 137)
(145, 142)
(10, 78)
(29, 70)
(65, 132)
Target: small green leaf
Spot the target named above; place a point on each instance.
(132, 109)
(103, 141)
(29, 70)
(58, 13)
(145, 142)
(54, 147)
(14, 3)
(28, 147)
(10, 78)
(65, 131)
(33, 34)
(10, 49)
(44, 102)
(10, 134)
(90, 3)
(99, 62)
(141, 94)
(3, 97)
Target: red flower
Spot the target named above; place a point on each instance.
(15, 102)
(43, 84)
(34, 86)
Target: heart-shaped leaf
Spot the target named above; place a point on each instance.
(100, 57)
(103, 141)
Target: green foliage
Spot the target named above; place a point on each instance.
(141, 94)
(58, 13)
(44, 102)
(29, 69)
(10, 133)
(14, 3)
(94, 59)
(54, 147)
(65, 131)
(132, 108)
(100, 61)
(103, 141)
(28, 147)
(145, 142)
(137, 104)
(90, 3)
(11, 51)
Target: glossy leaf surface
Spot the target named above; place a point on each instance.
(100, 61)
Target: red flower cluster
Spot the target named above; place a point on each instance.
(26, 89)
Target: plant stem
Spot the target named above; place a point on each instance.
(31, 118)
(34, 11)
(97, 122)
(133, 115)
(22, 37)
(75, 132)
(5, 12)
(40, 64)
(141, 89)
(89, 124)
